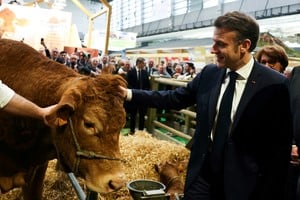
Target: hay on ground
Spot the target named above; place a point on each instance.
(140, 151)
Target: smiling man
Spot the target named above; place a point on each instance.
(241, 146)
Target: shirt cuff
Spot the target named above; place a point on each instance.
(129, 95)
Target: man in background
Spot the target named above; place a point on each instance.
(137, 78)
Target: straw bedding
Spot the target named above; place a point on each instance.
(141, 151)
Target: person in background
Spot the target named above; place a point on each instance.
(73, 62)
(46, 51)
(169, 68)
(293, 187)
(125, 66)
(273, 56)
(242, 143)
(161, 72)
(13, 103)
(63, 58)
(178, 71)
(150, 68)
(94, 66)
(137, 78)
(55, 55)
(82, 64)
(104, 61)
(189, 73)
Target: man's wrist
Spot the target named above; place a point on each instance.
(129, 95)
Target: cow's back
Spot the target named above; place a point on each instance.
(30, 73)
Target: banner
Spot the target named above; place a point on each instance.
(30, 24)
(117, 40)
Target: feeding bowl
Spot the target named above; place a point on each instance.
(143, 189)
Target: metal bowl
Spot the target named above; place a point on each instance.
(138, 188)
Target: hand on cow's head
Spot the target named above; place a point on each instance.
(123, 92)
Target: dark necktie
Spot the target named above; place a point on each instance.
(223, 124)
(140, 79)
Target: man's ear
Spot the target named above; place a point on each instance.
(245, 46)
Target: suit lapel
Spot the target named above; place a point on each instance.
(214, 95)
(249, 91)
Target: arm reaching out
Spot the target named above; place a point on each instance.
(18, 105)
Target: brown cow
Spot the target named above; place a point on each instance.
(89, 116)
(170, 175)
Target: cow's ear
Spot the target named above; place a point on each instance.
(65, 107)
(59, 116)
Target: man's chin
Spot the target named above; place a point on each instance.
(221, 65)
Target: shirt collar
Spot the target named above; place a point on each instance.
(244, 71)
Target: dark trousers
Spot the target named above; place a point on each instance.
(293, 183)
(207, 186)
(199, 190)
(298, 188)
(133, 112)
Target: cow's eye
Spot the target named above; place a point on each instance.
(88, 125)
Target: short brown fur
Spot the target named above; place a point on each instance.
(26, 145)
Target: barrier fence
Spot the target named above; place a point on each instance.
(171, 125)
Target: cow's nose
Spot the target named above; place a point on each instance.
(117, 183)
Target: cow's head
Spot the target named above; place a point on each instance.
(89, 116)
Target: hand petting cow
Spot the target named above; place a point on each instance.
(170, 174)
(89, 117)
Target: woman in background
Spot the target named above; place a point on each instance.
(273, 56)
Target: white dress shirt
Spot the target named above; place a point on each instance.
(243, 75)
(6, 94)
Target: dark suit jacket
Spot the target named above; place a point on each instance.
(295, 101)
(257, 152)
(132, 79)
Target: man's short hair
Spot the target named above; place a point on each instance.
(191, 65)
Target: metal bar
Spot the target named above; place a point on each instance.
(168, 81)
(108, 18)
(188, 113)
(172, 130)
(160, 135)
(80, 193)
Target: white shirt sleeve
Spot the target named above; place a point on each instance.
(129, 95)
(6, 94)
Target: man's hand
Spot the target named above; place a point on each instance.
(47, 111)
(123, 92)
(294, 156)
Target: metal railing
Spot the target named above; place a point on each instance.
(186, 116)
(79, 191)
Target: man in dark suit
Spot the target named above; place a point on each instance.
(255, 153)
(295, 104)
(137, 78)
